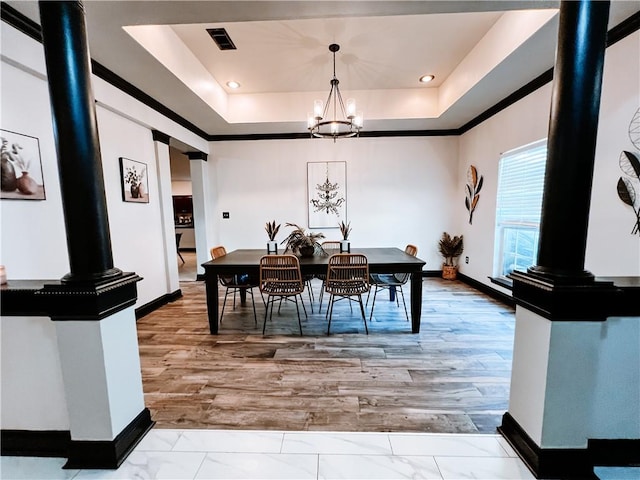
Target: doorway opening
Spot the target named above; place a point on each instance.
(184, 221)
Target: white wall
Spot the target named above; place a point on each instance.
(529, 372)
(33, 395)
(137, 238)
(399, 190)
(205, 206)
(32, 229)
(526, 121)
(616, 395)
(611, 249)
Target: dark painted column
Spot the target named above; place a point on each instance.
(556, 407)
(76, 133)
(573, 126)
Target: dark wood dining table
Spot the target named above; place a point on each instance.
(381, 260)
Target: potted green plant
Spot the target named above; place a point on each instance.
(450, 248)
(272, 230)
(301, 242)
(345, 230)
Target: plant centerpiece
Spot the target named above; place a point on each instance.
(301, 242)
(345, 230)
(450, 248)
(272, 230)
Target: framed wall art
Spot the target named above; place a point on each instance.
(134, 179)
(21, 165)
(472, 188)
(327, 192)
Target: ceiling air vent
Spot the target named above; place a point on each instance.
(222, 39)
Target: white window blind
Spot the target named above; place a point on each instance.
(518, 207)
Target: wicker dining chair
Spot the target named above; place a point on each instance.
(381, 281)
(281, 279)
(235, 283)
(329, 247)
(347, 277)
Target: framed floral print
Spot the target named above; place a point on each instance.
(21, 167)
(134, 179)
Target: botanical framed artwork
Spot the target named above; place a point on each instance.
(327, 193)
(628, 185)
(21, 165)
(134, 179)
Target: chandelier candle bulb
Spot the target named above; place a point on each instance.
(317, 109)
(358, 120)
(351, 108)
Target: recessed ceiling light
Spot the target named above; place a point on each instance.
(233, 84)
(426, 78)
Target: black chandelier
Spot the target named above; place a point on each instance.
(347, 125)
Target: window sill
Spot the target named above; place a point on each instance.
(503, 282)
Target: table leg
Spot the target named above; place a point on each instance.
(416, 301)
(211, 284)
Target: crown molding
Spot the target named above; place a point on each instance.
(20, 22)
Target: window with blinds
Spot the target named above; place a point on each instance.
(518, 207)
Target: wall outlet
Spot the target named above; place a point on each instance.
(466, 259)
(225, 214)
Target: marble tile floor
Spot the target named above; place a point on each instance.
(223, 454)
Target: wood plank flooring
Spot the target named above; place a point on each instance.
(452, 377)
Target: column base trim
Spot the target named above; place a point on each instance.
(97, 301)
(614, 453)
(548, 463)
(34, 443)
(104, 454)
(569, 463)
